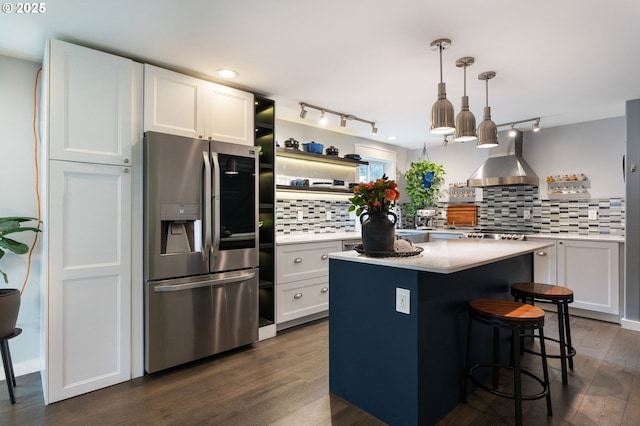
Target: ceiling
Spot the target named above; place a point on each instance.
(565, 61)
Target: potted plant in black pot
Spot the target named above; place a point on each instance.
(10, 297)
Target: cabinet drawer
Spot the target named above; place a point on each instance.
(301, 298)
(302, 261)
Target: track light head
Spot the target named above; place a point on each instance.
(303, 112)
(343, 121)
(536, 126)
(512, 132)
(374, 129)
(323, 118)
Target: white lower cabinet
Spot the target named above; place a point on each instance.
(88, 309)
(302, 281)
(591, 269)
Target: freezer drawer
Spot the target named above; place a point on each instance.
(191, 318)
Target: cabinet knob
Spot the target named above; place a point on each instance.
(324, 290)
(200, 137)
(126, 161)
(324, 257)
(297, 295)
(541, 253)
(126, 170)
(297, 260)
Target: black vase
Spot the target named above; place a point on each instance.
(9, 307)
(378, 231)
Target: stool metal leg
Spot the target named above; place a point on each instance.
(496, 355)
(568, 333)
(545, 371)
(563, 348)
(517, 382)
(8, 369)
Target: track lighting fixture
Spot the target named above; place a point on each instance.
(487, 130)
(343, 116)
(465, 120)
(513, 131)
(442, 118)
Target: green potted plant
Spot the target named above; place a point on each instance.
(423, 185)
(10, 297)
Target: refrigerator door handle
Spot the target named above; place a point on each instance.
(216, 203)
(207, 283)
(206, 205)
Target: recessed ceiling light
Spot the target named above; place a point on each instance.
(227, 73)
(392, 138)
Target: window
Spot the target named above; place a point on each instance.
(381, 161)
(374, 170)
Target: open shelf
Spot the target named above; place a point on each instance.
(312, 156)
(310, 189)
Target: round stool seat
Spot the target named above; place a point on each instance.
(506, 311)
(543, 292)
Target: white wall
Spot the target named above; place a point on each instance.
(17, 186)
(594, 148)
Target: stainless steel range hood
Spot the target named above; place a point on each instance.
(503, 170)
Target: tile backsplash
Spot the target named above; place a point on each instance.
(318, 216)
(501, 208)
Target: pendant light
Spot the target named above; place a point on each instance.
(465, 120)
(442, 117)
(487, 130)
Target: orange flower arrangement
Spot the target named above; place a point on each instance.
(374, 197)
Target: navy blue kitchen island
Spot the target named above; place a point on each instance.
(407, 369)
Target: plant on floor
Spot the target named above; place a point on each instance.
(423, 185)
(11, 225)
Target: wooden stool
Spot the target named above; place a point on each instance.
(8, 365)
(561, 297)
(519, 318)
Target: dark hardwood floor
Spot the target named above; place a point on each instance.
(284, 381)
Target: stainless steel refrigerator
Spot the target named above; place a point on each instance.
(201, 248)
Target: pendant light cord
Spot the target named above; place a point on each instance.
(37, 175)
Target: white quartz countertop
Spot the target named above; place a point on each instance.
(450, 256)
(611, 238)
(311, 237)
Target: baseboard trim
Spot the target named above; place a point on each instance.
(630, 324)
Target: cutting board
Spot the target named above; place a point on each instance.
(462, 214)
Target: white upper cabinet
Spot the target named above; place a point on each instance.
(178, 104)
(173, 103)
(79, 77)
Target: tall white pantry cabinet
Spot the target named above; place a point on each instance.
(91, 133)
